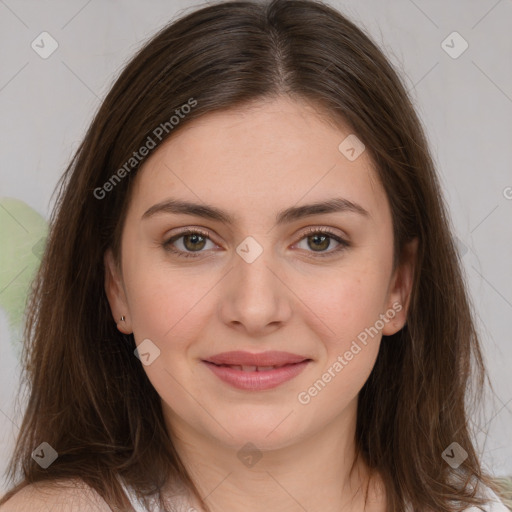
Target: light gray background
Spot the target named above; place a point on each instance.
(465, 104)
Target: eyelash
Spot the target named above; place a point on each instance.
(167, 245)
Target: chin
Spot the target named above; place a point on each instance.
(270, 431)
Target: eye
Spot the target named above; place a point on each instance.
(194, 240)
(320, 239)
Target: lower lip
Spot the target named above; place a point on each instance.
(257, 381)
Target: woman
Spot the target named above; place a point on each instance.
(250, 298)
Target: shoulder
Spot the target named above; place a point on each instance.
(70, 495)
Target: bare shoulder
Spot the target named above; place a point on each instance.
(68, 495)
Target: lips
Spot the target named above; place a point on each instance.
(256, 372)
(262, 361)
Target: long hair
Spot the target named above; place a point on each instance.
(89, 397)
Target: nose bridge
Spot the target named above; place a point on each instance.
(257, 295)
(254, 278)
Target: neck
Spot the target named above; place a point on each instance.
(315, 473)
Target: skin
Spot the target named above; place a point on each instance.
(254, 162)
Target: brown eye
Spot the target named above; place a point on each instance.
(191, 242)
(319, 240)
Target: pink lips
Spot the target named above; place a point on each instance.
(248, 371)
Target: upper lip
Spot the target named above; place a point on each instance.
(270, 358)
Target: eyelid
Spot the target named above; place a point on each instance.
(321, 229)
(192, 230)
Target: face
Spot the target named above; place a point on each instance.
(315, 284)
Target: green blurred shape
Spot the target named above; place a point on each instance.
(23, 235)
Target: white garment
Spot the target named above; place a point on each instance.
(178, 505)
(494, 504)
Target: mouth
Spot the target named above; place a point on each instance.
(271, 358)
(253, 368)
(256, 372)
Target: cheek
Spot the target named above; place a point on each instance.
(342, 304)
(165, 303)
(349, 310)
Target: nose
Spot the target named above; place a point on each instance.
(255, 299)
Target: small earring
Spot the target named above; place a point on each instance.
(123, 318)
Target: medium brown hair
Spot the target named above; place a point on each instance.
(90, 398)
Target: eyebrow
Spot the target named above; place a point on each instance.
(334, 205)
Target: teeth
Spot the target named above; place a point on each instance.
(253, 368)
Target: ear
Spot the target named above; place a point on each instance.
(114, 288)
(399, 294)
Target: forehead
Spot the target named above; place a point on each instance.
(278, 152)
